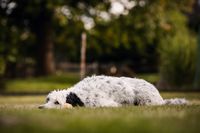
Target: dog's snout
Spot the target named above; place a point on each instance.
(41, 107)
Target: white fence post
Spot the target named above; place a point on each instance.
(83, 55)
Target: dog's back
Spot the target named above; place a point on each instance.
(99, 90)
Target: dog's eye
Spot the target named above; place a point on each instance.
(56, 102)
(47, 99)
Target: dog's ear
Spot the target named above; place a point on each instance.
(67, 106)
(74, 100)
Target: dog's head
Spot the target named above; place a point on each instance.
(56, 99)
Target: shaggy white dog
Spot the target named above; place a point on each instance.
(106, 91)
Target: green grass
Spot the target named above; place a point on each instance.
(49, 83)
(41, 84)
(20, 114)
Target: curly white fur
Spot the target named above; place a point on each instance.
(107, 91)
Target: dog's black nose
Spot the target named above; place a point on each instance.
(41, 107)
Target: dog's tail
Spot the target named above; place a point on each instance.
(176, 101)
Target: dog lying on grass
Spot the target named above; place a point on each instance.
(107, 91)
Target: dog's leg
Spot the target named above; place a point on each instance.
(66, 106)
(148, 99)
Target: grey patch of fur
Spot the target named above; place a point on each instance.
(108, 82)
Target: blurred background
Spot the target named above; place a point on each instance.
(47, 44)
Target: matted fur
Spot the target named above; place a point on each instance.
(107, 91)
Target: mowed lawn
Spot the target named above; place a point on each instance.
(20, 114)
(48, 83)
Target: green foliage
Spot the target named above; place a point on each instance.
(178, 53)
(139, 33)
(133, 37)
(150, 77)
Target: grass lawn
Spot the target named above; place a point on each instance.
(49, 83)
(20, 114)
(41, 84)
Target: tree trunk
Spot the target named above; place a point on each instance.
(46, 64)
(45, 47)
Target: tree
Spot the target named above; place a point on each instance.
(37, 17)
(40, 19)
(45, 26)
(194, 23)
(137, 34)
(177, 50)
